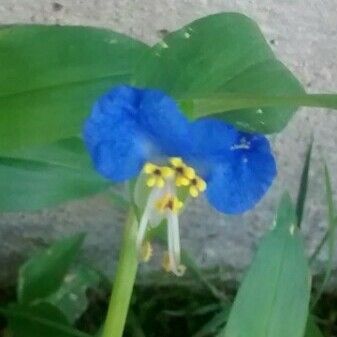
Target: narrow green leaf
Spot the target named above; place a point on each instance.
(71, 297)
(261, 112)
(47, 175)
(51, 75)
(312, 330)
(329, 200)
(134, 324)
(43, 274)
(214, 325)
(302, 193)
(226, 55)
(273, 299)
(330, 237)
(39, 320)
(198, 274)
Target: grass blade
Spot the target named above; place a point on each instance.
(330, 236)
(302, 193)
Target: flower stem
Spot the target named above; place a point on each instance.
(124, 281)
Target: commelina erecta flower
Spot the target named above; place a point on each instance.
(133, 131)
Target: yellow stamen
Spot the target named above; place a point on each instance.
(157, 174)
(149, 168)
(160, 182)
(189, 172)
(167, 172)
(182, 181)
(169, 202)
(201, 184)
(166, 262)
(177, 205)
(151, 181)
(176, 161)
(194, 192)
(184, 173)
(197, 185)
(146, 251)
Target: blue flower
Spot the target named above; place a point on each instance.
(134, 131)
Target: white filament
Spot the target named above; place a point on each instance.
(153, 217)
(173, 238)
(150, 215)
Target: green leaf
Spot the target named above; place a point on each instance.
(47, 175)
(302, 193)
(39, 320)
(256, 117)
(44, 273)
(213, 325)
(199, 276)
(51, 75)
(71, 297)
(330, 237)
(222, 54)
(312, 330)
(273, 299)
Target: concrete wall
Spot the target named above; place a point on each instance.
(303, 34)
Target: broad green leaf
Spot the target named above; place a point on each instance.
(47, 175)
(273, 299)
(51, 75)
(330, 237)
(71, 297)
(44, 273)
(302, 193)
(221, 54)
(40, 320)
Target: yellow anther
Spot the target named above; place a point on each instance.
(160, 182)
(176, 161)
(201, 184)
(161, 202)
(189, 172)
(183, 172)
(182, 181)
(149, 168)
(157, 174)
(146, 251)
(166, 262)
(194, 192)
(197, 185)
(151, 181)
(169, 202)
(177, 205)
(167, 172)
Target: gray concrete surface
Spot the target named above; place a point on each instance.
(303, 34)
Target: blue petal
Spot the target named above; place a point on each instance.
(238, 167)
(129, 126)
(168, 128)
(112, 136)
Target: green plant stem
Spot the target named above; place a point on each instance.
(124, 281)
